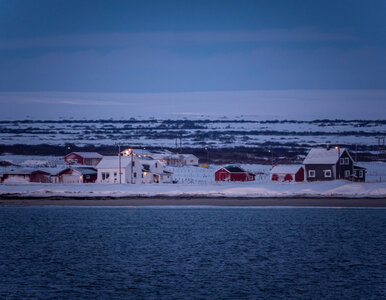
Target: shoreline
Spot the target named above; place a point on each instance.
(195, 201)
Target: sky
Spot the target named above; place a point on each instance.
(119, 59)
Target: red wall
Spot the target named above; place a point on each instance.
(74, 158)
(299, 176)
(223, 175)
(40, 177)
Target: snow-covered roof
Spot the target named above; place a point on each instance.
(323, 156)
(112, 162)
(286, 169)
(89, 154)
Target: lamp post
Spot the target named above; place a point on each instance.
(270, 151)
(207, 155)
(338, 148)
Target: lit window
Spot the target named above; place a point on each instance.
(311, 173)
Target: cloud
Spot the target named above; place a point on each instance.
(122, 40)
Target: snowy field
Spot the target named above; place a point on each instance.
(195, 133)
(338, 188)
(376, 171)
(199, 182)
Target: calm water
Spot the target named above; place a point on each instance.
(206, 253)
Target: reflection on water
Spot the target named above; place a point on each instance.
(48, 252)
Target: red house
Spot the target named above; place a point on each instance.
(83, 158)
(287, 173)
(233, 173)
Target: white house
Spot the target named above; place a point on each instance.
(153, 171)
(108, 170)
(133, 170)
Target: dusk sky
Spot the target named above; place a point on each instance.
(118, 59)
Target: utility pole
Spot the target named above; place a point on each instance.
(338, 148)
(132, 162)
(120, 166)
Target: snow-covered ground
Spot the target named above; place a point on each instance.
(195, 133)
(198, 181)
(338, 188)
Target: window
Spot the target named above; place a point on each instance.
(347, 173)
(87, 176)
(115, 174)
(135, 175)
(105, 175)
(361, 173)
(133, 164)
(156, 165)
(346, 161)
(342, 161)
(311, 173)
(354, 173)
(327, 173)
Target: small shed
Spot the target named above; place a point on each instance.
(83, 158)
(359, 173)
(287, 173)
(233, 173)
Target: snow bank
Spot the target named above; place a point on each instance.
(339, 188)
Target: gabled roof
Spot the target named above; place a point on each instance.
(286, 169)
(112, 162)
(234, 169)
(87, 154)
(324, 156)
(85, 171)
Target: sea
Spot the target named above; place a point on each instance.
(192, 253)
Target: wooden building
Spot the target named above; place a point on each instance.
(83, 158)
(287, 173)
(233, 173)
(328, 164)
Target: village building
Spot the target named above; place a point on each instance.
(328, 164)
(233, 173)
(177, 160)
(77, 175)
(83, 158)
(16, 175)
(289, 173)
(359, 173)
(153, 172)
(133, 170)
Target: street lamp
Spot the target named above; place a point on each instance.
(338, 148)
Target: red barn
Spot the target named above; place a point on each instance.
(233, 173)
(83, 158)
(287, 173)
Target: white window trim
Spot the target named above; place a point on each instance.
(342, 161)
(327, 172)
(347, 172)
(311, 173)
(346, 161)
(361, 173)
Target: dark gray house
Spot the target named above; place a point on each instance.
(328, 164)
